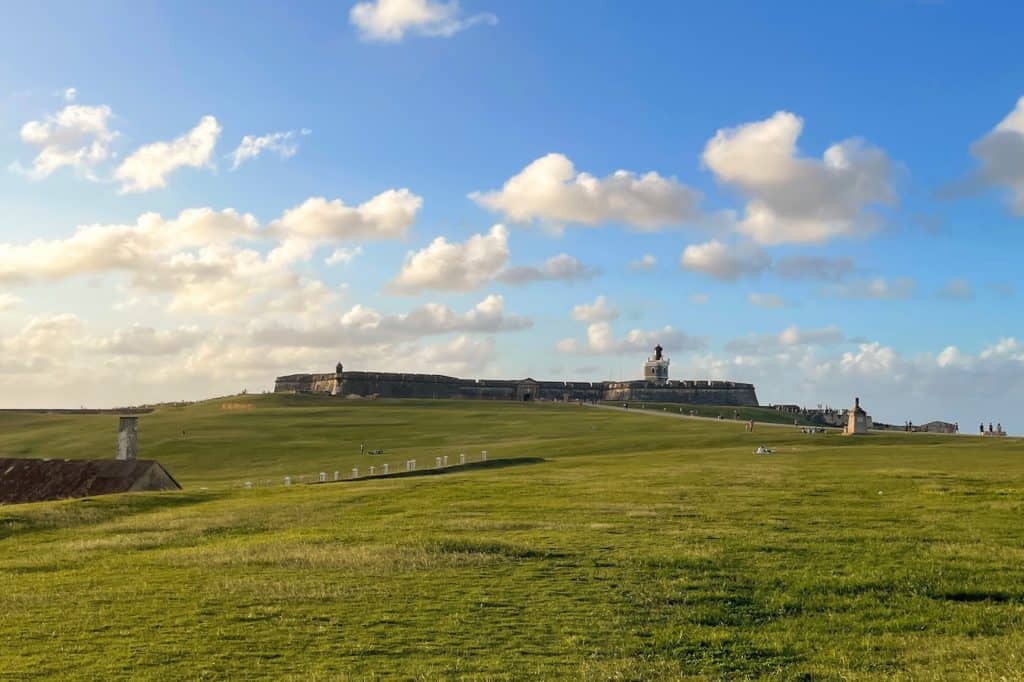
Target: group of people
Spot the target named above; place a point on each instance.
(998, 430)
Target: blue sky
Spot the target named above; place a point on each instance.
(920, 233)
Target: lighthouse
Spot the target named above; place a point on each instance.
(656, 368)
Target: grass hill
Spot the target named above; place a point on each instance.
(639, 548)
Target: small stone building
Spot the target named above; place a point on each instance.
(36, 480)
(857, 420)
(938, 427)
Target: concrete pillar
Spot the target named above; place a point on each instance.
(128, 438)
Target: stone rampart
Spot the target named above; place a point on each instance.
(436, 386)
(306, 383)
(688, 392)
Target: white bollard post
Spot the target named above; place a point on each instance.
(355, 472)
(483, 455)
(446, 460)
(323, 477)
(372, 469)
(287, 480)
(337, 475)
(414, 465)
(437, 462)
(386, 468)
(462, 458)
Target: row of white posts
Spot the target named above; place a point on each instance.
(410, 465)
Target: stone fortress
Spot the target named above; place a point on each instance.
(654, 387)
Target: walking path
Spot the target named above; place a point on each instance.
(680, 415)
(677, 415)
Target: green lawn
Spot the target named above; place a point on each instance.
(640, 548)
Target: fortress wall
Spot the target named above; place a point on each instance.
(488, 389)
(394, 385)
(292, 383)
(324, 383)
(735, 394)
(570, 390)
(305, 383)
(487, 392)
(431, 386)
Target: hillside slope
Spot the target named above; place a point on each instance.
(639, 548)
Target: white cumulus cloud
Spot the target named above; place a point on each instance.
(343, 256)
(285, 144)
(147, 341)
(195, 259)
(94, 249)
(792, 198)
(318, 221)
(1001, 156)
(551, 191)
(789, 338)
(563, 268)
(391, 20)
(724, 262)
(361, 325)
(77, 137)
(598, 311)
(453, 266)
(601, 340)
(148, 166)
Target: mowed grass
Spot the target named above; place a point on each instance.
(640, 548)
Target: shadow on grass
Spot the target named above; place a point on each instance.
(974, 596)
(47, 515)
(437, 471)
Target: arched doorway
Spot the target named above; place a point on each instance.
(527, 390)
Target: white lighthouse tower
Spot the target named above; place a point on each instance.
(656, 368)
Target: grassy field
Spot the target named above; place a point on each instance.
(639, 548)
